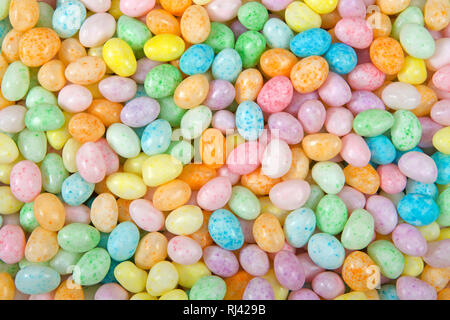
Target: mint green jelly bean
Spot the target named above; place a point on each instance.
(331, 214)
(244, 203)
(162, 81)
(417, 41)
(92, 267)
(123, 140)
(133, 32)
(45, 15)
(387, 257)
(195, 121)
(182, 150)
(208, 288)
(4, 8)
(27, 219)
(443, 203)
(32, 145)
(373, 122)
(406, 131)
(44, 117)
(170, 112)
(220, 37)
(64, 261)
(38, 95)
(16, 81)
(250, 45)
(253, 15)
(358, 231)
(53, 173)
(329, 176)
(78, 237)
(409, 15)
(314, 197)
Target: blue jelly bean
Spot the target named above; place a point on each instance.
(68, 18)
(443, 165)
(312, 42)
(249, 120)
(341, 58)
(36, 279)
(197, 59)
(227, 65)
(225, 230)
(110, 278)
(299, 226)
(156, 137)
(277, 34)
(427, 189)
(388, 292)
(123, 241)
(417, 209)
(75, 190)
(382, 150)
(326, 251)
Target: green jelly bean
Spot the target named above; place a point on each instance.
(244, 203)
(44, 117)
(208, 288)
(409, 15)
(133, 32)
(358, 231)
(331, 214)
(170, 112)
(123, 140)
(4, 8)
(373, 122)
(16, 81)
(443, 203)
(162, 81)
(38, 96)
(12, 269)
(45, 15)
(406, 131)
(329, 176)
(92, 267)
(253, 15)
(182, 150)
(195, 121)
(27, 219)
(65, 261)
(78, 237)
(32, 145)
(417, 41)
(220, 37)
(53, 173)
(314, 197)
(250, 45)
(387, 257)
(25, 263)
(5, 27)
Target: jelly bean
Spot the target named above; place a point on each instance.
(254, 260)
(208, 288)
(382, 150)
(119, 57)
(366, 77)
(23, 14)
(436, 255)
(321, 146)
(387, 257)
(151, 249)
(309, 74)
(51, 75)
(111, 291)
(399, 95)
(92, 267)
(298, 189)
(277, 159)
(133, 32)
(277, 34)
(162, 81)
(358, 230)
(16, 81)
(383, 212)
(164, 47)
(32, 145)
(227, 65)
(371, 123)
(225, 230)
(12, 119)
(184, 250)
(258, 289)
(222, 262)
(27, 219)
(75, 190)
(130, 277)
(250, 45)
(12, 244)
(337, 54)
(37, 280)
(171, 195)
(441, 77)
(329, 280)
(322, 43)
(387, 55)
(195, 24)
(68, 18)
(422, 290)
(123, 140)
(97, 29)
(417, 41)
(331, 214)
(415, 245)
(406, 131)
(117, 89)
(277, 62)
(326, 251)
(268, 97)
(288, 270)
(301, 219)
(412, 160)
(38, 46)
(329, 176)
(64, 261)
(163, 277)
(86, 127)
(253, 15)
(214, 194)
(300, 17)
(8, 289)
(78, 237)
(197, 59)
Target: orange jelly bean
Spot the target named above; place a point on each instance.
(152, 248)
(268, 233)
(357, 269)
(71, 50)
(259, 183)
(124, 212)
(42, 245)
(7, 288)
(51, 75)
(248, 85)
(69, 290)
(436, 277)
(299, 167)
(212, 146)
(86, 127)
(23, 14)
(196, 175)
(38, 46)
(309, 74)
(329, 20)
(10, 45)
(191, 92)
(49, 211)
(195, 24)
(171, 195)
(236, 285)
(391, 7)
(444, 294)
(387, 55)
(161, 21)
(86, 70)
(202, 235)
(427, 99)
(321, 146)
(175, 7)
(380, 24)
(107, 111)
(277, 62)
(365, 179)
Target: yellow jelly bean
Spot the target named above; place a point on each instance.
(7, 288)
(8, 203)
(322, 6)
(119, 57)
(162, 278)
(114, 10)
(127, 186)
(189, 274)
(134, 165)
(445, 234)
(130, 277)
(300, 17)
(413, 266)
(8, 149)
(143, 296)
(160, 169)
(268, 207)
(414, 71)
(202, 2)
(164, 47)
(69, 154)
(430, 232)
(176, 294)
(354, 295)
(184, 220)
(58, 138)
(279, 291)
(441, 140)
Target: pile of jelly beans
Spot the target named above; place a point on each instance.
(225, 149)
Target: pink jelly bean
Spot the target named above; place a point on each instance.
(111, 291)
(352, 198)
(441, 94)
(184, 250)
(144, 65)
(352, 9)
(287, 126)
(245, 158)
(328, 285)
(392, 180)
(409, 240)
(411, 161)
(221, 94)
(366, 77)
(224, 121)
(254, 260)
(312, 116)
(25, 181)
(223, 10)
(288, 270)
(354, 32)
(298, 99)
(77, 214)
(220, 261)
(117, 89)
(12, 244)
(290, 194)
(441, 78)
(226, 172)
(355, 150)
(384, 213)
(438, 254)
(440, 57)
(97, 5)
(276, 94)
(335, 91)
(364, 100)
(90, 163)
(276, 5)
(429, 128)
(97, 29)
(339, 121)
(410, 288)
(440, 112)
(74, 98)
(146, 216)
(109, 156)
(214, 194)
(136, 8)
(303, 294)
(258, 289)
(12, 119)
(277, 159)
(310, 268)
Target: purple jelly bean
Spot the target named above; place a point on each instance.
(139, 112)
